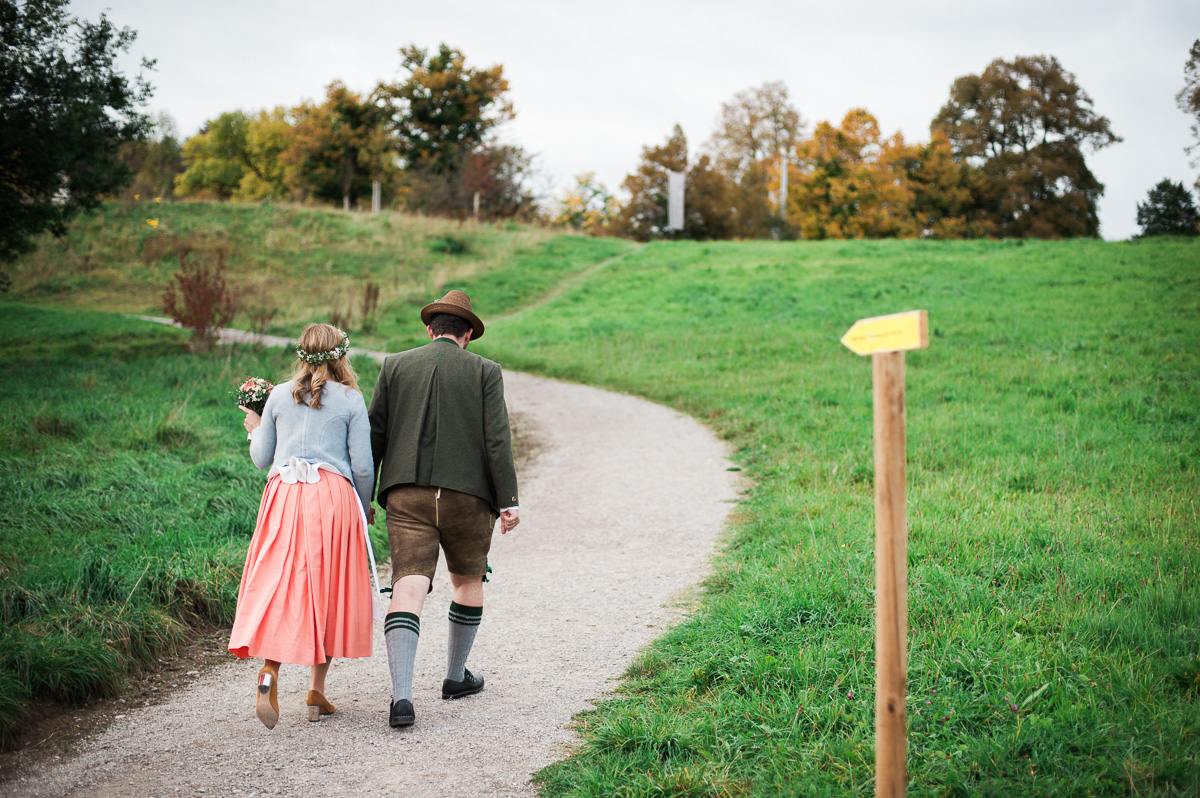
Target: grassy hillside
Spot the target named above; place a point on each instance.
(288, 265)
(1053, 454)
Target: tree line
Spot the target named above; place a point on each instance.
(425, 139)
(1007, 154)
(1006, 157)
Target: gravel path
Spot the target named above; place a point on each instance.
(621, 510)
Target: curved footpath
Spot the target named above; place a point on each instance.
(621, 509)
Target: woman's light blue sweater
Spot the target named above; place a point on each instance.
(338, 434)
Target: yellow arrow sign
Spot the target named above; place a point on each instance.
(893, 333)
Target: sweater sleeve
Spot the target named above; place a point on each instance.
(264, 438)
(358, 445)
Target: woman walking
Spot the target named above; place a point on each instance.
(305, 595)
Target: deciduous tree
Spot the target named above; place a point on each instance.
(339, 147)
(707, 211)
(155, 162)
(65, 109)
(237, 156)
(499, 173)
(1189, 98)
(1027, 124)
(755, 127)
(443, 107)
(588, 205)
(1168, 211)
(844, 184)
(948, 197)
(644, 215)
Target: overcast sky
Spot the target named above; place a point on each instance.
(594, 83)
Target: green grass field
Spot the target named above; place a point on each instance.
(1053, 445)
(1053, 451)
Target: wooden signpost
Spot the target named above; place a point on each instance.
(885, 339)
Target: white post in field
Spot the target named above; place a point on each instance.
(675, 181)
(376, 196)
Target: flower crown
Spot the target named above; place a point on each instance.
(317, 358)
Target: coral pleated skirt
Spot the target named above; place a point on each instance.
(305, 595)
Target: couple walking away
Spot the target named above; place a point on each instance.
(436, 440)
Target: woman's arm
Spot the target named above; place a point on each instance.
(263, 435)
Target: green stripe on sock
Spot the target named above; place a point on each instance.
(467, 616)
(401, 620)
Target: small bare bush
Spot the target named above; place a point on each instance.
(260, 318)
(370, 307)
(339, 318)
(198, 299)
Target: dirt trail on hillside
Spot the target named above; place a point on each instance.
(621, 510)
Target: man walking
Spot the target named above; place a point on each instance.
(443, 455)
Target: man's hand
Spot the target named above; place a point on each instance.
(370, 516)
(509, 519)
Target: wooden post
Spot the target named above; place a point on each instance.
(376, 196)
(885, 339)
(891, 577)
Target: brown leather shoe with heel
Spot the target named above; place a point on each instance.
(318, 706)
(267, 703)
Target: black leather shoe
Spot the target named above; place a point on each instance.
(402, 714)
(470, 685)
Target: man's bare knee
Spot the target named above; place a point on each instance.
(468, 590)
(408, 594)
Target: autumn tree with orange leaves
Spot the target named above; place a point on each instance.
(845, 182)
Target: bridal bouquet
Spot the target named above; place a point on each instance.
(253, 393)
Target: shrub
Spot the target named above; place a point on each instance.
(1168, 211)
(198, 299)
(450, 245)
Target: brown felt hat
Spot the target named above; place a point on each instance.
(456, 303)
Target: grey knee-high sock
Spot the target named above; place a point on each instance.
(464, 622)
(401, 630)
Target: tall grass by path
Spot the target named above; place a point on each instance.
(1053, 451)
(128, 500)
